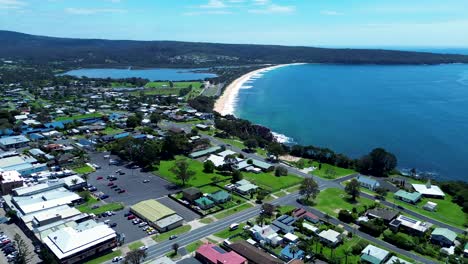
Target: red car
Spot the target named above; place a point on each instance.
(122, 191)
(110, 184)
(130, 217)
(99, 178)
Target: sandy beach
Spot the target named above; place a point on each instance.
(225, 105)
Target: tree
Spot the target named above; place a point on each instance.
(229, 162)
(293, 249)
(182, 171)
(175, 247)
(381, 192)
(74, 181)
(236, 176)
(352, 188)
(378, 162)
(155, 118)
(275, 149)
(133, 121)
(24, 255)
(268, 209)
(281, 171)
(208, 166)
(260, 219)
(135, 256)
(309, 188)
(251, 143)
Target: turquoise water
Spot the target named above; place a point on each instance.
(420, 113)
(150, 74)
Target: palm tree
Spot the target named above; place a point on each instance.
(260, 219)
(293, 249)
(347, 253)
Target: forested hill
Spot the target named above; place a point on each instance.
(68, 52)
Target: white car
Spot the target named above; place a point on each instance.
(143, 248)
(117, 259)
(142, 224)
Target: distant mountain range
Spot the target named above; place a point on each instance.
(70, 52)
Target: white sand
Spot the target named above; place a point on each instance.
(225, 105)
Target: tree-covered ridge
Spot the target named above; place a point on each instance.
(68, 52)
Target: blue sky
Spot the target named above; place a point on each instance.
(287, 22)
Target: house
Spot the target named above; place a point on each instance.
(157, 215)
(10, 180)
(292, 252)
(368, 182)
(409, 225)
(266, 234)
(443, 237)
(429, 190)
(386, 214)
(213, 254)
(408, 197)
(191, 194)
(220, 196)
(202, 127)
(395, 260)
(306, 215)
(13, 142)
(202, 153)
(291, 238)
(284, 224)
(374, 255)
(253, 254)
(245, 187)
(330, 237)
(430, 206)
(310, 227)
(204, 203)
(218, 161)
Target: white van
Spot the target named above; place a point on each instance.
(234, 226)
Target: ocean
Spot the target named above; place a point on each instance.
(418, 112)
(157, 74)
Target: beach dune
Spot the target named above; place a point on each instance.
(225, 105)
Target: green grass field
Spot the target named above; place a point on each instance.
(207, 220)
(225, 233)
(83, 169)
(135, 245)
(447, 211)
(87, 208)
(284, 209)
(328, 171)
(111, 131)
(166, 235)
(200, 178)
(76, 117)
(233, 210)
(105, 258)
(332, 200)
(121, 84)
(176, 84)
(194, 246)
(269, 181)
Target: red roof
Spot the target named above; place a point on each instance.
(300, 213)
(217, 255)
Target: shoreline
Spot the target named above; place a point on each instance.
(226, 103)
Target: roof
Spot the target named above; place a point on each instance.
(372, 253)
(15, 161)
(10, 176)
(167, 221)
(330, 235)
(215, 254)
(394, 259)
(68, 241)
(433, 190)
(44, 200)
(13, 140)
(253, 254)
(204, 152)
(412, 223)
(415, 196)
(225, 153)
(291, 237)
(286, 251)
(217, 160)
(152, 210)
(261, 164)
(204, 201)
(191, 191)
(384, 213)
(367, 180)
(449, 234)
(220, 195)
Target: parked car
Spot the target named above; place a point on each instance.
(136, 221)
(122, 191)
(113, 186)
(110, 184)
(172, 237)
(117, 189)
(142, 224)
(95, 206)
(127, 214)
(99, 178)
(113, 225)
(117, 259)
(104, 196)
(130, 217)
(146, 181)
(143, 248)
(92, 189)
(234, 226)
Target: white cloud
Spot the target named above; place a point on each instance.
(214, 4)
(330, 13)
(261, 2)
(92, 11)
(207, 12)
(12, 4)
(274, 9)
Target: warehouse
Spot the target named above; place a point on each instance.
(157, 215)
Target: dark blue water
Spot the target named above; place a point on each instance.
(150, 74)
(420, 113)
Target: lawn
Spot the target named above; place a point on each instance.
(86, 208)
(284, 209)
(269, 181)
(207, 220)
(332, 200)
(83, 169)
(329, 171)
(121, 84)
(76, 117)
(111, 131)
(233, 142)
(447, 211)
(105, 258)
(166, 235)
(200, 178)
(339, 252)
(225, 233)
(135, 245)
(294, 189)
(176, 85)
(233, 210)
(194, 246)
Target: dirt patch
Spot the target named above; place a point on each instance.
(289, 158)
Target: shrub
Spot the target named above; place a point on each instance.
(281, 171)
(345, 216)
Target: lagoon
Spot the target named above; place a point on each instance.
(156, 74)
(418, 112)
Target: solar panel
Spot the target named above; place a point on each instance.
(219, 250)
(409, 219)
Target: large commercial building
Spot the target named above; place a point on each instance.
(13, 142)
(10, 180)
(25, 165)
(157, 215)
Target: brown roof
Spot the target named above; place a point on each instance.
(254, 254)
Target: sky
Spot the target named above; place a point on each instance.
(326, 23)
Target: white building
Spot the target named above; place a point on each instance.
(429, 190)
(330, 237)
